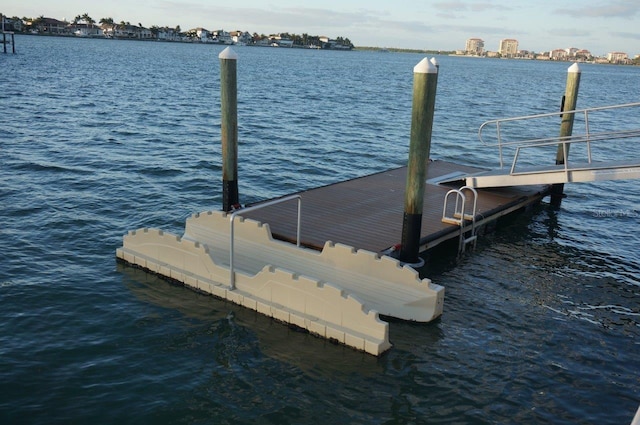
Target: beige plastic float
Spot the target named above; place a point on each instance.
(337, 293)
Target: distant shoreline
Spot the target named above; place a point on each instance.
(356, 48)
(152, 40)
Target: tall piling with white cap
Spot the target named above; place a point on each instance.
(570, 100)
(425, 78)
(229, 127)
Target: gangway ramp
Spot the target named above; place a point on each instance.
(576, 173)
(338, 293)
(607, 144)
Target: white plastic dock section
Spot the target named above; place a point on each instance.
(337, 293)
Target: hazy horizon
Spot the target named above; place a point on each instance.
(598, 26)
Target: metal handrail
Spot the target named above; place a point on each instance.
(463, 216)
(459, 195)
(587, 137)
(232, 273)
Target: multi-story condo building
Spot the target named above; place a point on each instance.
(558, 54)
(475, 46)
(583, 53)
(508, 47)
(571, 51)
(616, 57)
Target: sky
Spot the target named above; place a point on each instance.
(600, 26)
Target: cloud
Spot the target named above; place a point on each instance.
(277, 19)
(570, 32)
(629, 35)
(479, 29)
(481, 7)
(608, 9)
(449, 7)
(456, 9)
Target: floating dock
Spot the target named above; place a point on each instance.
(366, 212)
(319, 263)
(327, 260)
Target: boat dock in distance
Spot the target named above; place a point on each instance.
(335, 259)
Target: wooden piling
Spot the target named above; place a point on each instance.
(425, 78)
(569, 103)
(229, 128)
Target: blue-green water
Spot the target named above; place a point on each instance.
(98, 137)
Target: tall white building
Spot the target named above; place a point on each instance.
(508, 47)
(617, 57)
(474, 46)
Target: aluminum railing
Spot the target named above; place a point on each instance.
(232, 216)
(587, 137)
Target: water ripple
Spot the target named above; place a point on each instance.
(541, 322)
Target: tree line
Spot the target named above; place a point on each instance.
(297, 39)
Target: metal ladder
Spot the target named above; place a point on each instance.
(461, 217)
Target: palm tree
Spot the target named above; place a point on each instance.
(108, 26)
(38, 23)
(87, 19)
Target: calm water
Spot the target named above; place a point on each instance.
(97, 137)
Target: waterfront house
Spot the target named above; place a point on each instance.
(51, 26)
(279, 40)
(9, 24)
(201, 34)
(126, 31)
(241, 37)
(85, 30)
(328, 43)
(264, 41)
(222, 37)
(169, 34)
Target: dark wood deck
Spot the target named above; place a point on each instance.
(367, 212)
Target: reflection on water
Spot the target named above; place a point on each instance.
(273, 338)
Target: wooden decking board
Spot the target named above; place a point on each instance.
(367, 212)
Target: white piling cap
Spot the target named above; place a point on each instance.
(434, 61)
(425, 67)
(574, 68)
(228, 53)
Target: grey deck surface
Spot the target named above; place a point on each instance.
(367, 212)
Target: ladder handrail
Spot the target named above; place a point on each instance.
(459, 195)
(233, 215)
(587, 137)
(463, 216)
